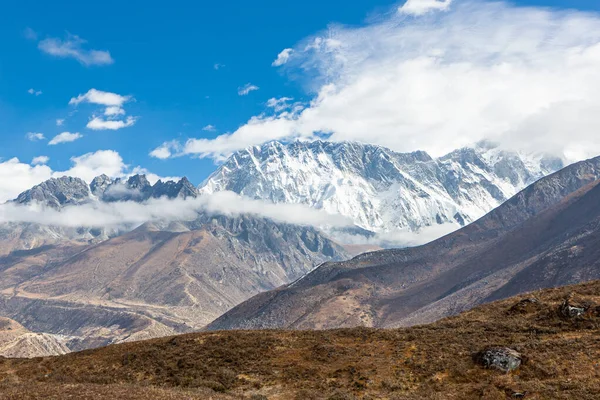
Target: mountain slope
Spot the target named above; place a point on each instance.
(96, 286)
(381, 190)
(558, 352)
(18, 342)
(546, 235)
(156, 280)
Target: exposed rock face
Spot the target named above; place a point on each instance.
(138, 188)
(501, 358)
(60, 192)
(546, 235)
(381, 190)
(57, 192)
(18, 342)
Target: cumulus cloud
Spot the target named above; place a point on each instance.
(209, 128)
(35, 136)
(94, 96)
(524, 77)
(74, 47)
(282, 57)
(16, 177)
(420, 7)
(40, 160)
(164, 151)
(34, 92)
(113, 104)
(98, 123)
(114, 110)
(246, 89)
(65, 137)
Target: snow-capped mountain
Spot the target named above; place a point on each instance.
(379, 189)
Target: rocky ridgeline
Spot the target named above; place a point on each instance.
(64, 191)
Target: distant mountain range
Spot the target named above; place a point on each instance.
(87, 286)
(379, 189)
(547, 235)
(94, 286)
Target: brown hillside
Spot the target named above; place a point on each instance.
(560, 351)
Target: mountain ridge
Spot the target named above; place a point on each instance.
(381, 288)
(380, 190)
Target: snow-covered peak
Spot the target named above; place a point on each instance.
(379, 189)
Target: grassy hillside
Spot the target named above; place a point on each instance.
(561, 360)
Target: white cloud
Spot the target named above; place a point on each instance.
(113, 103)
(34, 92)
(257, 130)
(133, 213)
(91, 165)
(282, 57)
(218, 66)
(60, 122)
(73, 47)
(114, 110)
(94, 96)
(398, 238)
(35, 136)
(97, 123)
(16, 177)
(420, 7)
(162, 152)
(65, 137)
(524, 77)
(209, 128)
(40, 160)
(247, 88)
(279, 104)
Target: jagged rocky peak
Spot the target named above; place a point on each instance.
(181, 189)
(138, 188)
(57, 192)
(99, 184)
(379, 189)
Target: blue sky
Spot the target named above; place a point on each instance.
(164, 55)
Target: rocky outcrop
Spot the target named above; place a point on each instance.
(501, 358)
(57, 192)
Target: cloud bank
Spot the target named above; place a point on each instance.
(524, 77)
(129, 213)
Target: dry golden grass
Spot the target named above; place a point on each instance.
(426, 362)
